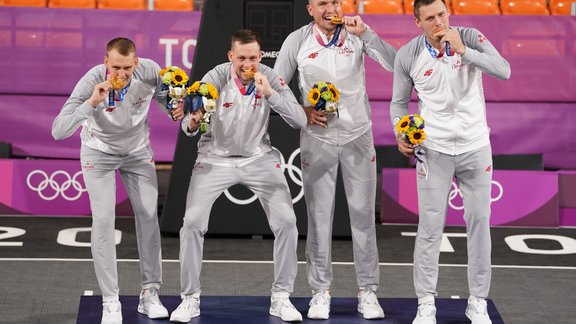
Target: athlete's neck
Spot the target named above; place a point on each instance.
(327, 33)
(435, 43)
(244, 82)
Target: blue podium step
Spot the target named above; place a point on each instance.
(254, 310)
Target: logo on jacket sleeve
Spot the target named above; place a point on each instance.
(227, 104)
(428, 72)
(482, 38)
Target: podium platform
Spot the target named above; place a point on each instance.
(251, 310)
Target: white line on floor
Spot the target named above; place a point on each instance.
(494, 266)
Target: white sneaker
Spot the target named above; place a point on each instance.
(319, 305)
(280, 306)
(426, 311)
(111, 312)
(187, 310)
(369, 306)
(151, 305)
(477, 311)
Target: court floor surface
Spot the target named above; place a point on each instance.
(46, 272)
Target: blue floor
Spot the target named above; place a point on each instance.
(250, 310)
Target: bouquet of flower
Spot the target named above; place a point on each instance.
(203, 95)
(411, 129)
(175, 80)
(324, 96)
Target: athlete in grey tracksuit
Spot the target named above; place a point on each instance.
(451, 102)
(237, 150)
(117, 138)
(346, 141)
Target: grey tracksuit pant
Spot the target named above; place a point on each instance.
(139, 178)
(266, 179)
(320, 162)
(473, 173)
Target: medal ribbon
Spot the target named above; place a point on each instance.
(436, 53)
(114, 95)
(335, 38)
(244, 91)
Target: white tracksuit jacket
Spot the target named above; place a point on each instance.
(449, 90)
(239, 127)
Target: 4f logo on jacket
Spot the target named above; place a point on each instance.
(313, 55)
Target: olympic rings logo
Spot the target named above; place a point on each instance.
(59, 189)
(455, 192)
(294, 173)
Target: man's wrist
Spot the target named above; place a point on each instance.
(192, 130)
(363, 29)
(92, 103)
